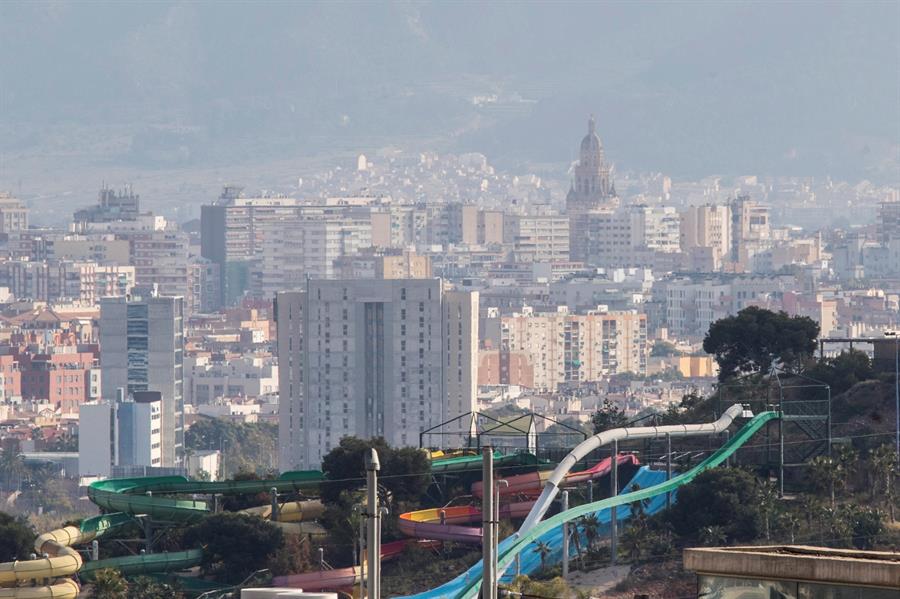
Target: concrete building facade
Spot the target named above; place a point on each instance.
(371, 358)
(142, 349)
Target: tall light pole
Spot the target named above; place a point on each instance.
(488, 537)
(896, 336)
(374, 524)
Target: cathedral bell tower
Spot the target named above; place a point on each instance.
(591, 189)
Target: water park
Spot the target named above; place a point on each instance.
(523, 509)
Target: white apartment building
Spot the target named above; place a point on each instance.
(120, 433)
(296, 249)
(537, 238)
(370, 358)
(629, 236)
(142, 349)
(571, 348)
(245, 377)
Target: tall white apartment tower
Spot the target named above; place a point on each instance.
(371, 358)
(142, 349)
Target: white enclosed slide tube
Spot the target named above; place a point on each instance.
(551, 487)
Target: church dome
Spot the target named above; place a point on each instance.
(591, 142)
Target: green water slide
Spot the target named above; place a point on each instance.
(507, 556)
(155, 563)
(144, 495)
(469, 463)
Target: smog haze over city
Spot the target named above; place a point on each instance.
(449, 299)
(182, 97)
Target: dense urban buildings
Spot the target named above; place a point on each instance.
(555, 290)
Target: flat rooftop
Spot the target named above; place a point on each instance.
(799, 563)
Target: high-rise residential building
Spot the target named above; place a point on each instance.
(706, 235)
(13, 214)
(84, 282)
(370, 358)
(142, 349)
(111, 206)
(630, 235)
(538, 238)
(231, 235)
(592, 189)
(564, 348)
(306, 247)
(888, 221)
(479, 226)
(751, 230)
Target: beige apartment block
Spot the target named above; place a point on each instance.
(571, 348)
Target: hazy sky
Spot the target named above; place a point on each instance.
(690, 89)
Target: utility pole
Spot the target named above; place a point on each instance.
(668, 468)
(488, 549)
(373, 515)
(896, 336)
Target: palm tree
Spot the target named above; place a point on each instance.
(846, 457)
(809, 506)
(11, 466)
(109, 584)
(767, 498)
(543, 550)
(827, 473)
(789, 521)
(712, 536)
(634, 540)
(884, 463)
(590, 524)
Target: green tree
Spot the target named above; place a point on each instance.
(405, 472)
(16, 538)
(756, 338)
(634, 540)
(712, 536)
(790, 523)
(722, 497)
(543, 550)
(826, 475)
(608, 416)
(767, 499)
(12, 466)
(234, 545)
(884, 464)
(865, 524)
(143, 587)
(245, 446)
(663, 349)
(109, 584)
(590, 526)
(844, 370)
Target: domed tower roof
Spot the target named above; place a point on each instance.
(591, 145)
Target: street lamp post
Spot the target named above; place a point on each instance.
(896, 336)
